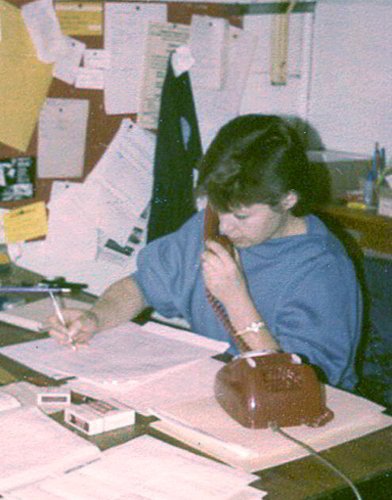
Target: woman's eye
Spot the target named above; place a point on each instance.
(240, 217)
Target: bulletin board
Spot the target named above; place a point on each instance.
(101, 127)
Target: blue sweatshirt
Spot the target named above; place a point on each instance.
(304, 287)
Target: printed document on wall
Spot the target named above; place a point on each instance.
(125, 37)
(163, 38)
(209, 46)
(216, 107)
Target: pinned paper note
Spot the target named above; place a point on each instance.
(62, 137)
(80, 18)
(125, 34)
(26, 223)
(163, 38)
(44, 29)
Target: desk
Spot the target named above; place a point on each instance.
(373, 232)
(361, 459)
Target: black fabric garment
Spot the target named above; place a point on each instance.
(178, 147)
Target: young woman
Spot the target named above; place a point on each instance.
(288, 285)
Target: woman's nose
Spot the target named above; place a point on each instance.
(226, 224)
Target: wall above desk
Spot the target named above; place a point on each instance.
(101, 126)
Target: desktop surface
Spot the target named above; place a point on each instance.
(366, 461)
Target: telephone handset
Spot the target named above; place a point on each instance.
(211, 230)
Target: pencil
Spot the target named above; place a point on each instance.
(57, 309)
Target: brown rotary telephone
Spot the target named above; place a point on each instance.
(263, 389)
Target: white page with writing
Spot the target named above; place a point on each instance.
(126, 354)
(125, 36)
(163, 39)
(208, 41)
(89, 78)
(123, 179)
(33, 446)
(150, 469)
(44, 29)
(172, 388)
(67, 66)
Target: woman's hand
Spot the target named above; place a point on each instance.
(80, 327)
(223, 275)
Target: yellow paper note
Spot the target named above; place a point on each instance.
(26, 223)
(80, 18)
(24, 80)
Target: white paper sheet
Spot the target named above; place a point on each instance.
(109, 205)
(67, 66)
(33, 315)
(62, 137)
(125, 36)
(91, 74)
(44, 29)
(33, 446)
(123, 179)
(87, 78)
(216, 107)
(149, 469)
(163, 38)
(126, 354)
(209, 45)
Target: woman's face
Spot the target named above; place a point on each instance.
(248, 226)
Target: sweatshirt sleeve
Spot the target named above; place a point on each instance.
(168, 267)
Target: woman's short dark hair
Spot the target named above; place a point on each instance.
(255, 159)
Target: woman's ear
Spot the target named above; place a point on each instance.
(289, 201)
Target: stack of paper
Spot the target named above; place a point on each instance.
(33, 446)
(147, 469)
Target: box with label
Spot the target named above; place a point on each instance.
(96, 416)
